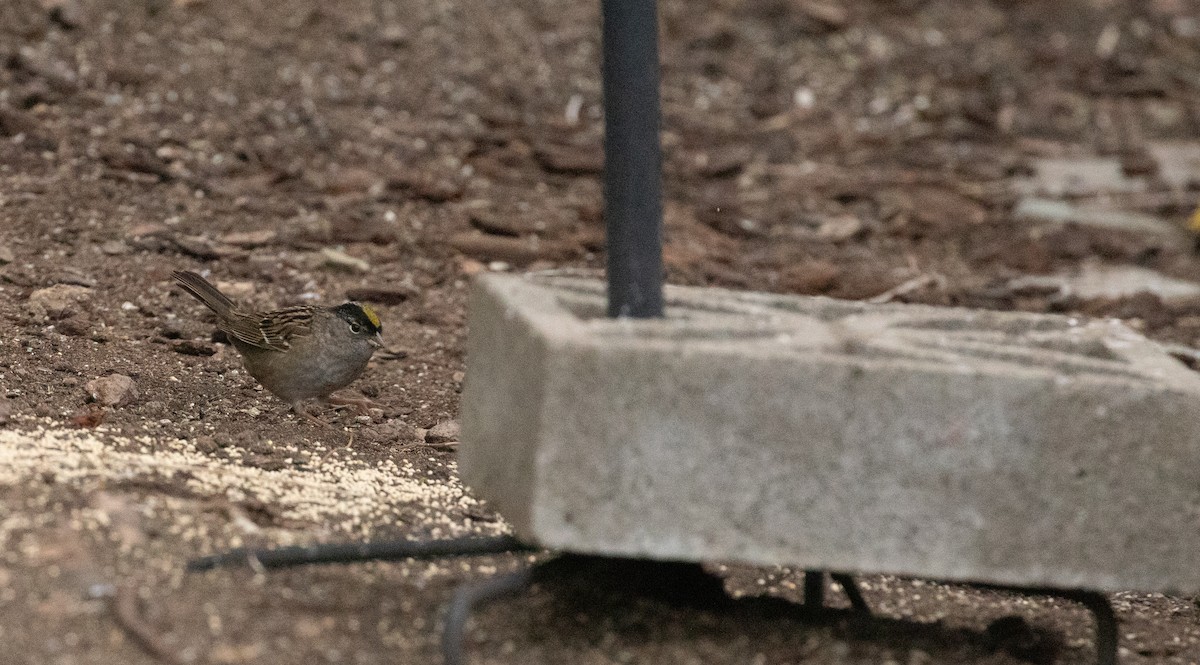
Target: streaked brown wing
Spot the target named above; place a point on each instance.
(273, 330)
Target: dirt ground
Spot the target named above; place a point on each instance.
(388, 150)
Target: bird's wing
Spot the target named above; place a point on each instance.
(271, 331)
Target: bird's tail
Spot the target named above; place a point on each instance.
(203, 290)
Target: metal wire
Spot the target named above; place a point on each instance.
(391, 550)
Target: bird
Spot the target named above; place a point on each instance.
(297, 353)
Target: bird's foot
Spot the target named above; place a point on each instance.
(360, 405)
(301, 411)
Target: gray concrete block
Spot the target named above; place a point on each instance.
(944, 443)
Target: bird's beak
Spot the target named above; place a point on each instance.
(376, 341)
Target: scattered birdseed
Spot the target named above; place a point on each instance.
(343, 496)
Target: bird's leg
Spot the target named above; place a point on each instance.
(299, 408)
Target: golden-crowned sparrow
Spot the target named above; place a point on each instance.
(298, 352)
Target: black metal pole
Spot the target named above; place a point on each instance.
(632, 158)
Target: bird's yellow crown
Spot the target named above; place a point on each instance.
(371, 316)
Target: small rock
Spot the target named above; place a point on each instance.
(394, 35)
(393, 431)
(470, 267)
(193, 347)
(112, 390)
(840, 227)
(171, 330)
(75, 326)
(6, 255)
(114, 248)
(58, 301)
(443, 432)
(206, 444)
(235, 290)
(6, 411)
(336, 258)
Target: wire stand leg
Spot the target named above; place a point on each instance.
(1097, 603)
(853, 594)
(814, 589)
(466, 600)
(1106, 623)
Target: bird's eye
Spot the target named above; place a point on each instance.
(355, 328)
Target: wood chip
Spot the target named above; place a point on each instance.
(336, 258)
(249, 239)
(514, 250)
(202, 248)
(383, 295)
(570, 160)
(425, 186)
(723, 162)
(136, 161)
(499, 224)
(831, 15)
